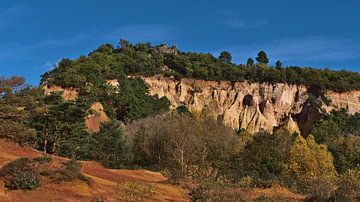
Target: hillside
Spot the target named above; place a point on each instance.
(103, 181)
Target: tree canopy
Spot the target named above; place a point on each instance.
(109, 62)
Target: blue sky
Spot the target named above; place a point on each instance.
(36, 34)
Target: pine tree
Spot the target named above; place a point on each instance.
(278, 65)
(262, 58)
(250, 62)
(225, 57)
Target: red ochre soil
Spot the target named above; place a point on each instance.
(103, 181)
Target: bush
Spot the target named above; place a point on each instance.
(70, 172)
(349, 185)
(42, 159)
(132, 191)
(219, 189)
(19, 174)
(28, 179)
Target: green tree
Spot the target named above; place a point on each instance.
(278, 65)
(225, 57)
(16, 105)
(136, 103)
(250, 62)
(54, 122)
(262, 58)
(113, 149)
(340, 131)
(262, 160)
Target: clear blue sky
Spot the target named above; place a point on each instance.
(36, 34)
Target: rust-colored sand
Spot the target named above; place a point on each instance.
(104, 181)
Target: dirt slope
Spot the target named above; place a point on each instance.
(104, 181)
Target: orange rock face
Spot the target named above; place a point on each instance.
(252, 106)
(95, 118)
(67, 93)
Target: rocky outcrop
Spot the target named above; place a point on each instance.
(113, 82)
(67, 93)
(349, 100)
(252, 106)
(96, 116)
(290, 125)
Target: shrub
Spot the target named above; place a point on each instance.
(349, 185)
(132, 191)
(218, 190)
(19, 174)
(42, 159)
(28, 179)
(70, 172)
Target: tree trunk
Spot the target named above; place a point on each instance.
(45, 145)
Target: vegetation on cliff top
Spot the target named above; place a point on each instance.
(109, 62)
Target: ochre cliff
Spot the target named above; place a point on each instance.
(67, 93)
(96, 116)
(252, 106)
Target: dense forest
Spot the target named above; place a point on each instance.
(188, 147)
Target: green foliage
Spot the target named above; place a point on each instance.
(340, 131)
(108, 62)
(58, 121)
(221, 189)
(28, 179)
(19, 174)
(262, 58)
(278, 65)
(15, 110)
(250, 62)
(225, 57)
(9, 85)
(16, 131)
(69, 172)
(265, 163)
(349, 185)
(135, 102)
(113, 150)
(43, 159)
